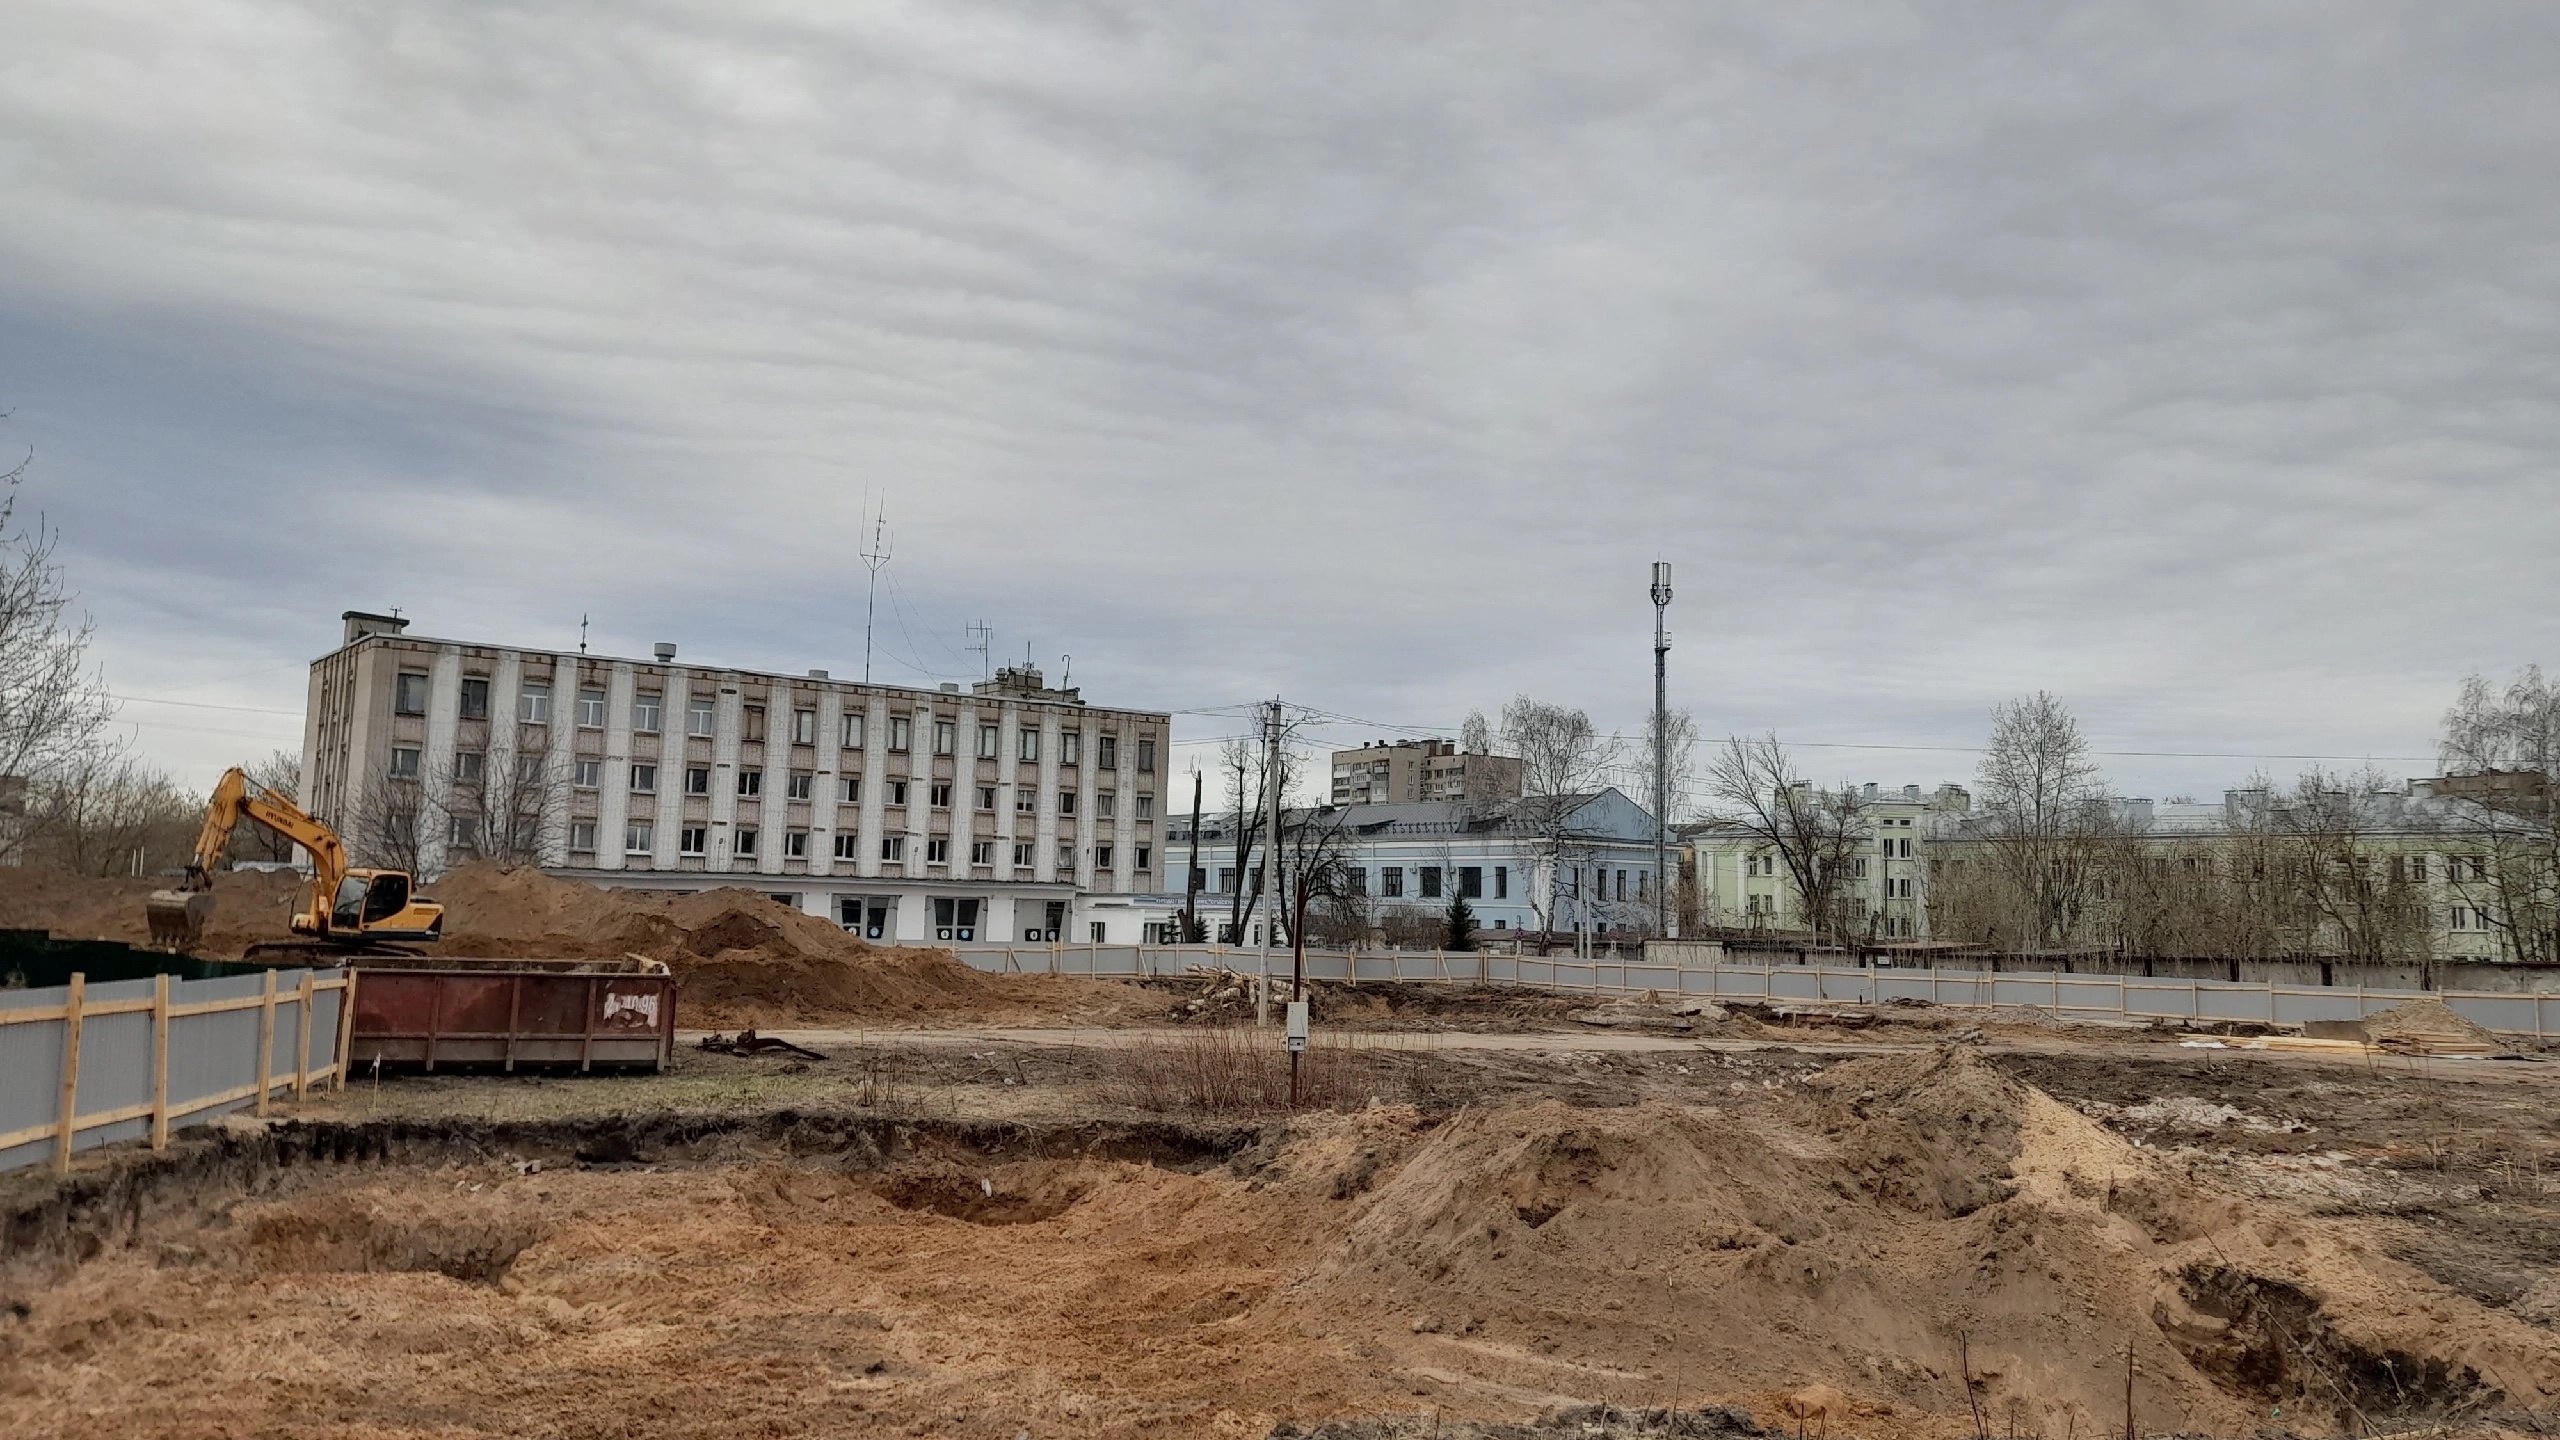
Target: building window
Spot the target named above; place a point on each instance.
(982, 852)
(946, 737)
(409, 694)
(751, 722)
(1066, 802)
(1106, 752)
(893, 847)
(849, 790)
(469, 766)
(1143, 856)
(986, 797)
(1146, 807)
(475, 697)
(644, 779)
(1622, 884)
(900, 729)
(986, 742)
(693, 840)
(1391, 881)
(1027, 745)
(744, 842)
(587, 774)
(848, 847)
(2417, 869)
(804, 727)
(1471, 882)
(1022, 856)
(942, 795)
(795, 844)
(701, 715)
(897, 792)
(1026, 801)
(404, 762)
(853, 732)
(591, 709)
(800, 786)
(582, 837)
(645, 713)
(1146, 756)
(1430, 882)
(533, 705)
(1101, 857)
(1067, 858)
(1501, 882)
(937, 851)
(1070, 747)
(1106, 804)
(750, 780)
(638, 838)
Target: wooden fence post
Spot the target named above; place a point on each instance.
(70, 1112)
(346, 1024)
(266, 1039)
(302, 1050)
(160, 1061)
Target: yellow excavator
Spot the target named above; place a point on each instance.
(350, 910)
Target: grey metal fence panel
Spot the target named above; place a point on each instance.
(30, 1072)
(115, 1063)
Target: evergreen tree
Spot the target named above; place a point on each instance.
(1462, 923)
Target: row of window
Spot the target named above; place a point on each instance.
(533, 707)
(640, 837)
(470, 767)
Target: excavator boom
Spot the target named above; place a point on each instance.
(178, 915)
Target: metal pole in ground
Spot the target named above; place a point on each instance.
(1270, 860)
(1661, 752)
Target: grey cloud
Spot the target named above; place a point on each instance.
(2196, 364)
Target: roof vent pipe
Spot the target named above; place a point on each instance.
(666, 651)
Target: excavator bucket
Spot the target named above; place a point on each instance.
(178, 916)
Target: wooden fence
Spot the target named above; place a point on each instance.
(135, 1058)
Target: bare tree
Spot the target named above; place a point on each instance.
(385, 826)
(102, 811)
(1679, 748)
(278, 774)
(54, 708)
(509, 808)
(2501, 760)
(1814, 834)
(2044, 809)
(1563, 762)
(2354, 895)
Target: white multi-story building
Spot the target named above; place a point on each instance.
(1008, 811)
(1590, 872)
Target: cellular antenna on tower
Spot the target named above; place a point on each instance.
(875, 557)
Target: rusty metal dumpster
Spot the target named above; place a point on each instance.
(509, 1015)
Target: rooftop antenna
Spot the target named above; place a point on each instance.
(582, 634)
(1066, 669)
(982, 638)
(875, 557)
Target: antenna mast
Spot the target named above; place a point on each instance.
(982, 638)
(875, 557)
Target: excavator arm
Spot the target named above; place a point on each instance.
(178, 915)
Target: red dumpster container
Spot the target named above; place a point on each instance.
(512, 1014)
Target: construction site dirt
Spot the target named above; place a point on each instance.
(1060, 1216)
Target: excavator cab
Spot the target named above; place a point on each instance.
(375, 905)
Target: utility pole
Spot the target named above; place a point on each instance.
(875, 557)
(1270, 860)
(1661, 753)
(1191, 877)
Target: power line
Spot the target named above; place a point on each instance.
(203, 705)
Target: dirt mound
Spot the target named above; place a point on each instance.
(2429, 1025)
(249, 906)
(1934, 1134)
(489, 909)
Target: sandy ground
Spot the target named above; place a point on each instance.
(933, 1233)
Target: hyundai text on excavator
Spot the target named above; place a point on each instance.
(350, 912)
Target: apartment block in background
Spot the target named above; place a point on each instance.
(1421, 772)
(1007, 812)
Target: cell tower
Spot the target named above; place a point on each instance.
(875, 557)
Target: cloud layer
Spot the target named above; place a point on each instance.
(2197, 365)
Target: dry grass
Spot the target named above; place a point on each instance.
(1237, 1070)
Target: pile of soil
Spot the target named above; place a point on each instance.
(249, 906)
(2430, 1026)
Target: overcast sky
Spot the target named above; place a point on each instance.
(2200, 364)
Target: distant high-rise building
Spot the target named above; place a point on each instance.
(1421, 772)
